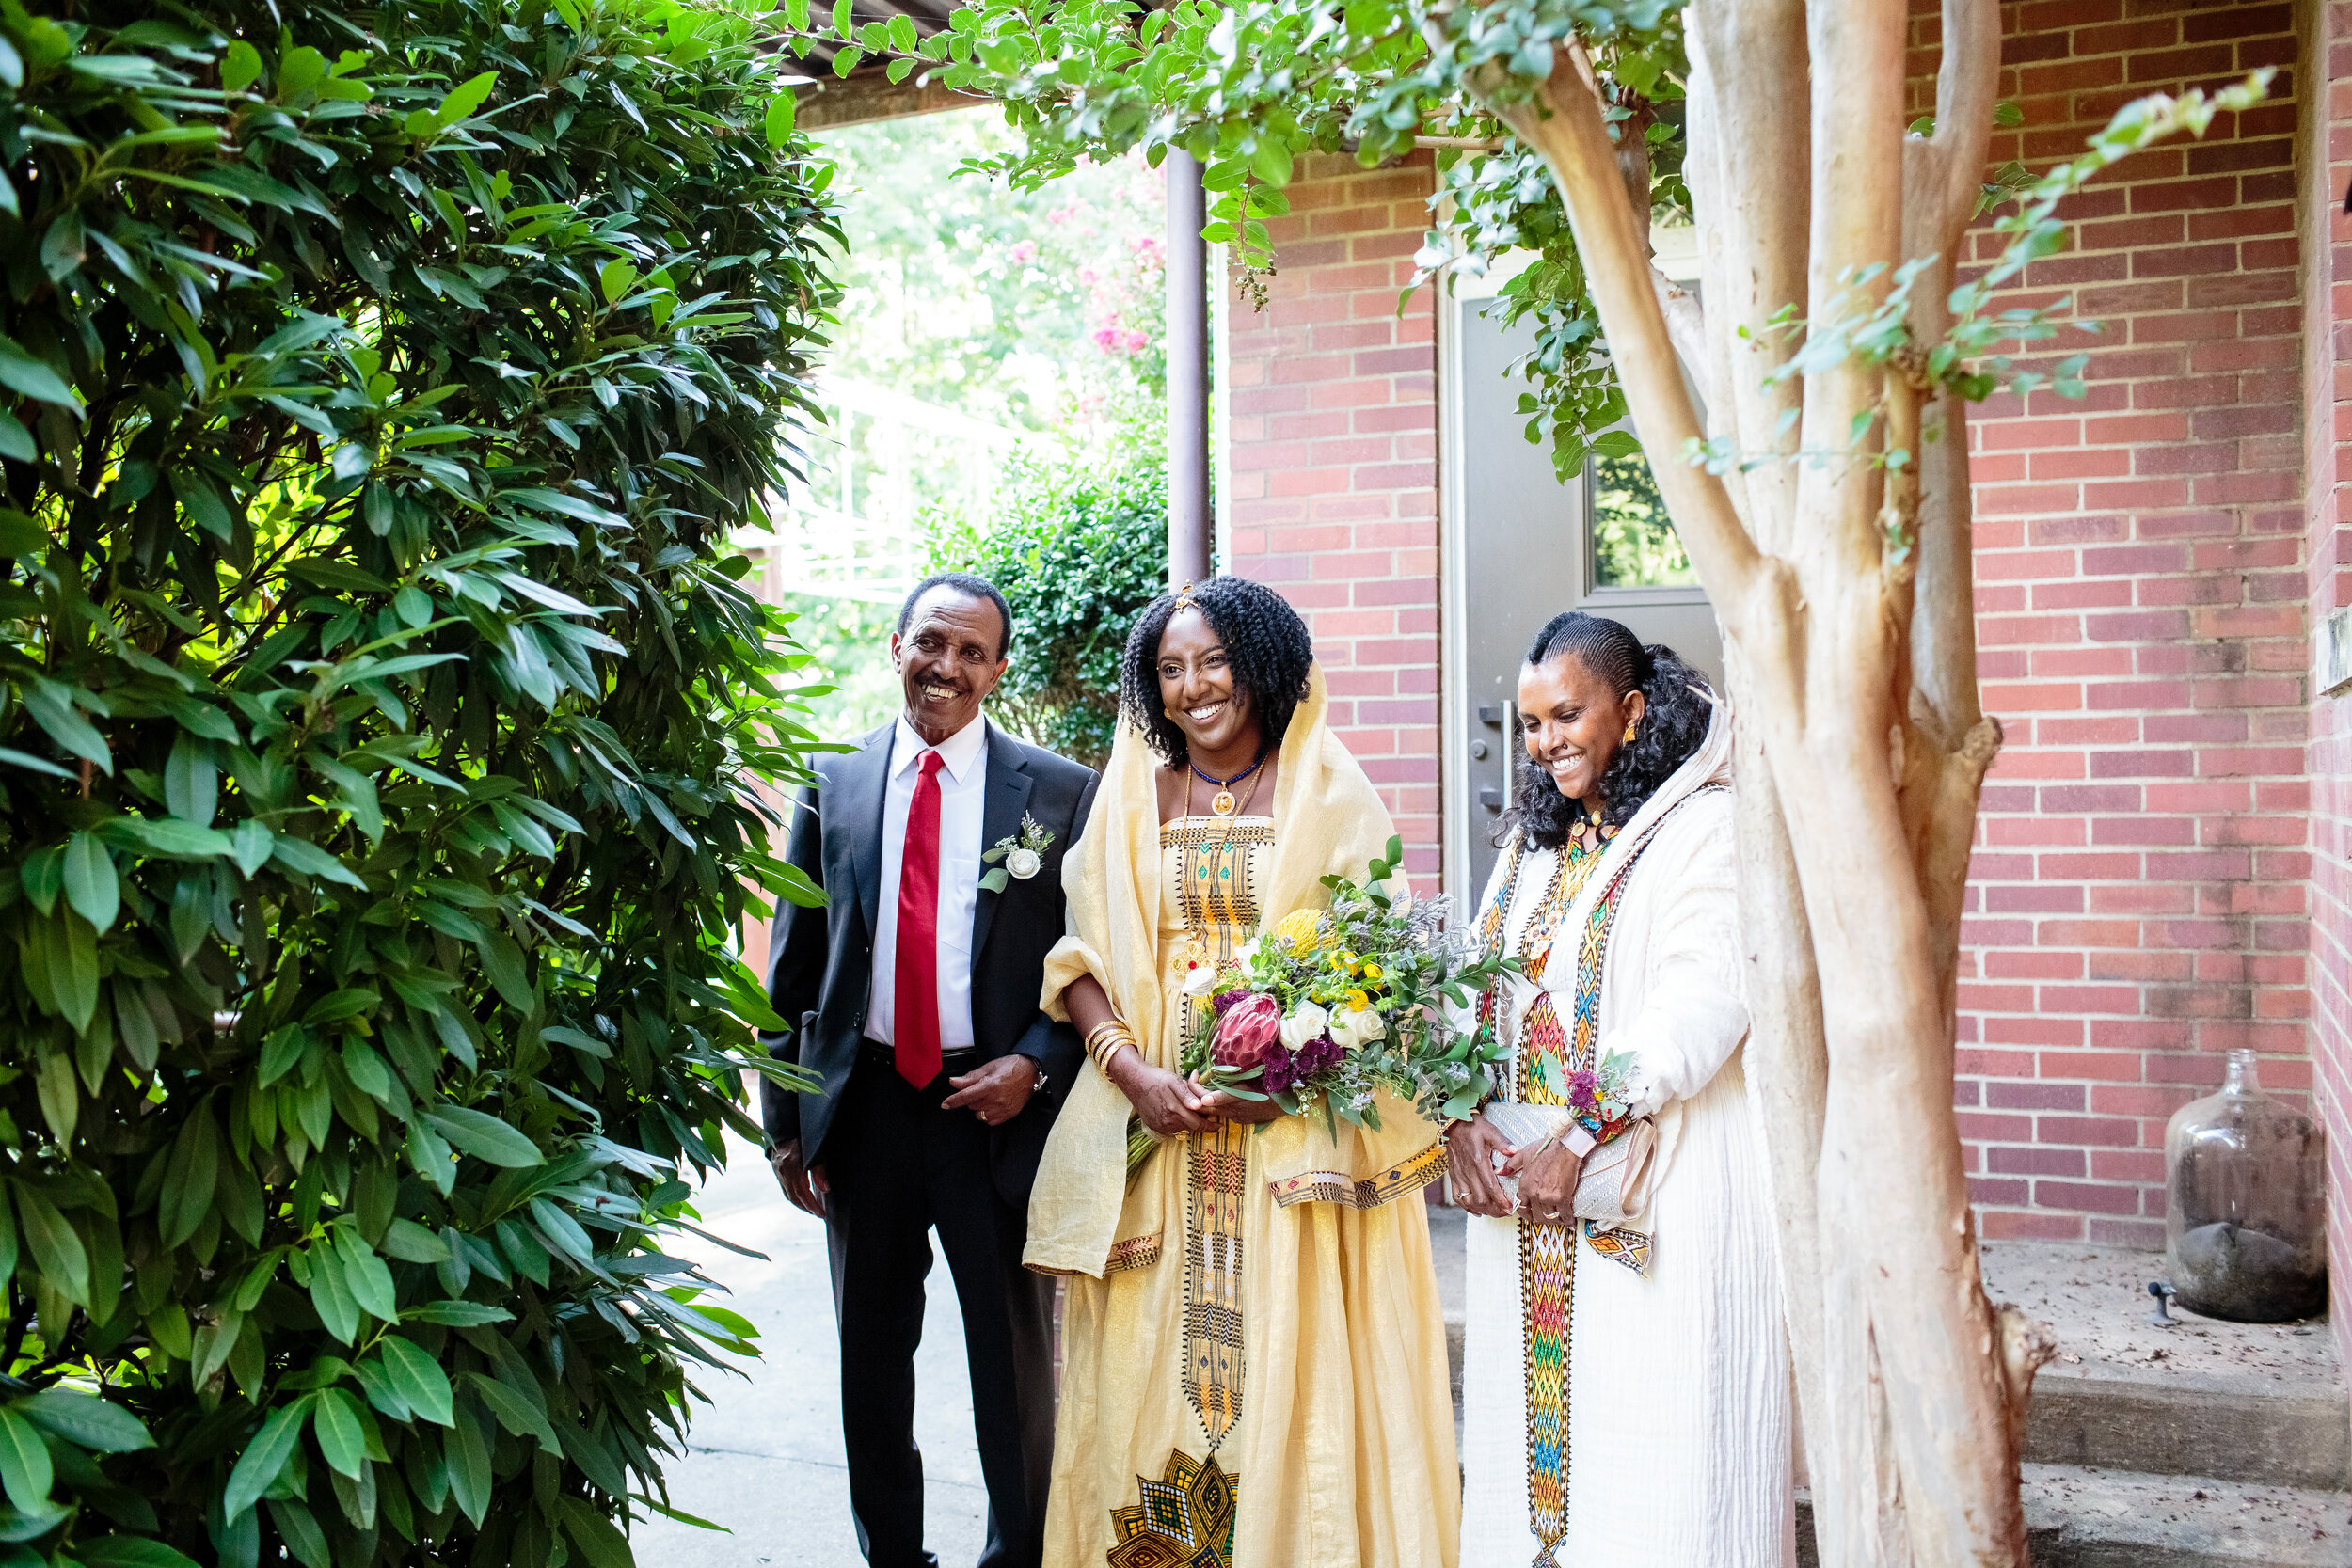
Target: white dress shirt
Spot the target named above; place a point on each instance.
(962, 793)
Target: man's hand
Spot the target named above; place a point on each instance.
(806, 1188)
(995, 1090)
(1546, 1183)
(1472, 1146)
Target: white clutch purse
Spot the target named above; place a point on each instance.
(1613, 1187)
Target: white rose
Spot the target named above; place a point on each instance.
(1024, 864)
(1200, 981)
(1357, 1027)
(1306, 1024)
(1248, 952)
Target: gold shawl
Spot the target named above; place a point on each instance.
(1327, 819)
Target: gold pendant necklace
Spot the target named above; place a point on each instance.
(1222, 802)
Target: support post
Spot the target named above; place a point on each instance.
(1188, 515)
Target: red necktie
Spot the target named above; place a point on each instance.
(915, 1019)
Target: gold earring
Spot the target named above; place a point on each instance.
(1629, 734)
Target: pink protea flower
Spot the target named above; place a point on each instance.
(1249, 1031)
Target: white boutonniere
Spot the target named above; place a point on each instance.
(1024, 854)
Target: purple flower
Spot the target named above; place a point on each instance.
(1584, 1089)
(1280, 1073)
(1225, 999)
(1317, 1055)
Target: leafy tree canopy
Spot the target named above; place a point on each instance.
(378, 706)
(1250, 88)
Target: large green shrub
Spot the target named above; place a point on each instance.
(1079, 549)
(378, 708)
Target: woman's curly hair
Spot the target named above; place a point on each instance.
(1266, 645)
(1677, 707)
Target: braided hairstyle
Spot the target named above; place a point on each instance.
(1266, 645)
(1678, 708)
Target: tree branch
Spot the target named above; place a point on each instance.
(1574, 142)
(1752, 186)
(1686, 327)
(1967, 83)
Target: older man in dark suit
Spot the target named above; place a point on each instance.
(939, 843)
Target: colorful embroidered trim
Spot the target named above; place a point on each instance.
(1548, 1295)
(1629, 1247)
(1214, 1185)
(1136, 1252)
(1185, 1519)
(1331, 1186)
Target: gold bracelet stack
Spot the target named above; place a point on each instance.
(1106, 1039)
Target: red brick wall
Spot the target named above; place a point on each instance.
(2325, 137)
(1333, 444)
(2138, 897)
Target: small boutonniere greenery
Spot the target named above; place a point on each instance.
(1023, 853)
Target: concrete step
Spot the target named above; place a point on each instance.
(2078, 1519)
(2149, 1427)
(2260, 1402)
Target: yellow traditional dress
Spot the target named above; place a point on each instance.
(1254, 1365)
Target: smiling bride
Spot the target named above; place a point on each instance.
(1249, 1381)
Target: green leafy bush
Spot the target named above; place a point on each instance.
(378, 707)
(1079, 549)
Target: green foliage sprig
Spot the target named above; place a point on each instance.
(380, 717)
(1078, 550)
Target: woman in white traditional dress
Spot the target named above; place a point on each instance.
(1253, 1351)
(1625, 1382)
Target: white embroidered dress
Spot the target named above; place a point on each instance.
(1678, 1424)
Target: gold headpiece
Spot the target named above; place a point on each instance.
(1183, 597)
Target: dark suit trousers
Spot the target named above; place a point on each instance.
(899, 1167)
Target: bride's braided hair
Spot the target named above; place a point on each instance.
(1267, 644)
(1673, 727)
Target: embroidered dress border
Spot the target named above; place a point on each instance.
(1214, 1186)
(1326, 1186)
(1136, 1252)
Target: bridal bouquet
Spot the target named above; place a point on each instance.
(1331, 1006)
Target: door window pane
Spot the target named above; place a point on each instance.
(1634, 544)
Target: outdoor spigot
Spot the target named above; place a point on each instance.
(2164, 1293)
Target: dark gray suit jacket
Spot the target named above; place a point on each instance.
(820, 961)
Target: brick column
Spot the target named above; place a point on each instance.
(2324, 135)
(1333, 437)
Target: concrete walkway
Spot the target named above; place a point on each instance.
(765, 1455)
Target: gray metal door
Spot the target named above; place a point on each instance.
(1524, 547)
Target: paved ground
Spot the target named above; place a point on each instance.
(766, 1453)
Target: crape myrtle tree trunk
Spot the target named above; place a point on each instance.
(1822, 496)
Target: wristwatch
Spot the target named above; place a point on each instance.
(1037, 1087)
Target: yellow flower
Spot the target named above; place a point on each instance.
(1359, 1000)
(1350, 959)
(1372, 972)
(1297, 929)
